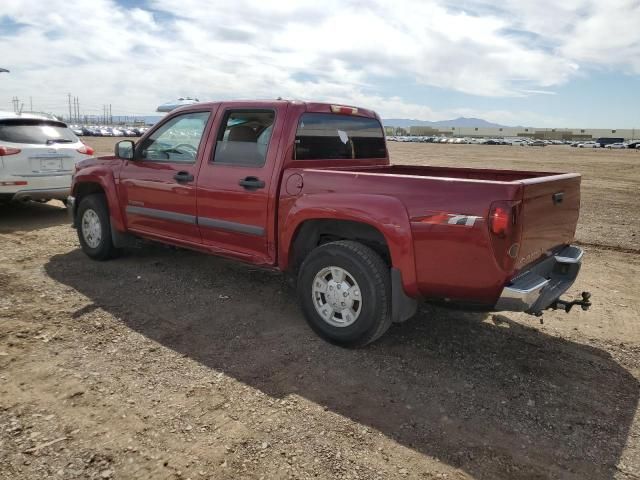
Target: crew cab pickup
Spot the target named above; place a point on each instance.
(308, 189)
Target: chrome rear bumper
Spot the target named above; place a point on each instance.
(541, 285)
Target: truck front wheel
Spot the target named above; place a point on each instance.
(345, 293)
(94, 227)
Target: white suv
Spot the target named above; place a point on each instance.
(37, 157)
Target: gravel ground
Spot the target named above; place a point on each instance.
(170, 364)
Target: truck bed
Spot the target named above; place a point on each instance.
(479, 174)
(546, 207)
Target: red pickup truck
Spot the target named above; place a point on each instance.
(307, 188)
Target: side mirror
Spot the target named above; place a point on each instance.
(124, 149)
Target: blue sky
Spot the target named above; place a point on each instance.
(542, 63)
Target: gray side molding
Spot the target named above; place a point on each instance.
(231, 226)
(161, 214)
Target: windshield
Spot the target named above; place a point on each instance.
(35, 131)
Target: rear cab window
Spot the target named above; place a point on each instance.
(329, 136)
(35, 131)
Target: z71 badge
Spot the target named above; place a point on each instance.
(449, 219)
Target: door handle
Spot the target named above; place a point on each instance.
(183, 177)
(251, 183)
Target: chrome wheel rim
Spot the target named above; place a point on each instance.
(91, 229)
(336, 296)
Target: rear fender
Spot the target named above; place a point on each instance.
(386, 214)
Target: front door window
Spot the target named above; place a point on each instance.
(176, 141)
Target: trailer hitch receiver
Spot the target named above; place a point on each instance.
(584, 303)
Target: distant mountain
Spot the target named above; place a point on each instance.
(456, 122)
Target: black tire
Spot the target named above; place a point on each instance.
(372, 276)
(104, 250)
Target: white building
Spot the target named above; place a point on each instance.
(532, 132)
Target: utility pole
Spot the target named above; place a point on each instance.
(31, 104)
(69, 100)
(17, 105)
(110, 116)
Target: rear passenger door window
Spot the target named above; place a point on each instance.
(243, 138)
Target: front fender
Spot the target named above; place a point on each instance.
(105, 178)
(386, 214)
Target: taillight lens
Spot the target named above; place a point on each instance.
(5, 151)
(505, 228)
(13, 184)
(499, 221)
(86, 150)
(344, 110)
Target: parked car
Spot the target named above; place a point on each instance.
(589, 145)
(308, 189)
(37, 158)
(616, 146)
(538, 143)
(604, 141)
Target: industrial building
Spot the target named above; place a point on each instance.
(523, 132)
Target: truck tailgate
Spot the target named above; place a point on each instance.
(549, 214)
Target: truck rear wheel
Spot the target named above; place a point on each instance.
(94, 227)
(345, 293)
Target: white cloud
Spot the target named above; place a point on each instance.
(333, 50)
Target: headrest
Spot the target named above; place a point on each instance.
(242, 133)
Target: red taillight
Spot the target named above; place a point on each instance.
(499, 221)
(4, 151)
(13, 184)
(505, 230)
(344, 110)
(86, 150)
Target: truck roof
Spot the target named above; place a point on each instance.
(317, 107)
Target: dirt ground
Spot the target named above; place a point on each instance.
(167, 364)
